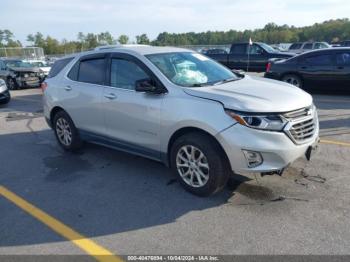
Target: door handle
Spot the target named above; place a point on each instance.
(68, 88)
(340, 67)
(111, 96)
(303, 67)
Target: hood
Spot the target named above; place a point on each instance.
(45, 68)
(26, 69)
(255, 94)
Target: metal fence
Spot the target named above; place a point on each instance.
(23, 52)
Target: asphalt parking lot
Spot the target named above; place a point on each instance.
(124, 204)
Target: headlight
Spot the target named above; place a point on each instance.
(271, 122)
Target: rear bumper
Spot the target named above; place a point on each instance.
(276, 148)
(272, 75)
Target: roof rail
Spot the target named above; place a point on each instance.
(115, 46)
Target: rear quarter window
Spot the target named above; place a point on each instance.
(58, 66)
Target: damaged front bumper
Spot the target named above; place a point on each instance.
(277, 151)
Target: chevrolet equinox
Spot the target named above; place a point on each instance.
(179, 107)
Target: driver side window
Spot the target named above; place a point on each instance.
(124, 74)
(255, 50)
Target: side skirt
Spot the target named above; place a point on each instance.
(124, 146)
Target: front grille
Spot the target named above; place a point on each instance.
(302, 124)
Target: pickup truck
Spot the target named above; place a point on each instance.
(259, 55)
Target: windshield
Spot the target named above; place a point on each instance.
(191, 69)
(38, 64)
(268, 48)
(17, 63)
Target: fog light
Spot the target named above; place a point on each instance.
(253, 158)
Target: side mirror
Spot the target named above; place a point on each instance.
(146, 85)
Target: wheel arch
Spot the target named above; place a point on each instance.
(53, 112)
(190, 129)
(292, 73)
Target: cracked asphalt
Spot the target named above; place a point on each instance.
(131, 205)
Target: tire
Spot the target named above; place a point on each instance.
(4, 102)
(66, 133)
(11, 83)
(293, 80)
(214, 170)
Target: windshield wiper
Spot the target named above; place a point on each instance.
(226, 81)
(198, 85)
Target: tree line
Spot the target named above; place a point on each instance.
(331, 31)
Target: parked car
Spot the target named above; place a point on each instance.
(299, 48)
(43, 65)
(319, 68)
(345, 43)
(19, 74)
(4, 93)
(259, 54)
(181, 108)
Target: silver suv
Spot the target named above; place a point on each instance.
(181, 108)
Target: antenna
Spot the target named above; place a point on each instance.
(249, 45)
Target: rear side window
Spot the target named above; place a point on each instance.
(58, 66)
(295, 46)
(239, 49)
(308, 46)
(92, 71)
(343, 58)
(319, 60)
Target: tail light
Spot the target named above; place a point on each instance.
(43, 86)
(268, 67)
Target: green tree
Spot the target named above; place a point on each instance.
(142, 39)
(123, 39)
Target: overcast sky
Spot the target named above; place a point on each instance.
(65, 18)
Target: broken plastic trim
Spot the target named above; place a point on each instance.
(276, 172)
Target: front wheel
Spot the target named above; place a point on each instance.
(11, 84)
(199, 164)
(293, 80)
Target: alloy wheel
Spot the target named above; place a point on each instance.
(192, 165)
(292, 80)
(64, 132)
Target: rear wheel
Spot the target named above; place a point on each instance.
(198, 162)
(66, 133)
(293, 80)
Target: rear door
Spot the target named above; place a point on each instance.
(237, 59)
(81, 93)
(317, 68)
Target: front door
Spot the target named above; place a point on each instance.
(342, 74)
(132, 118)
